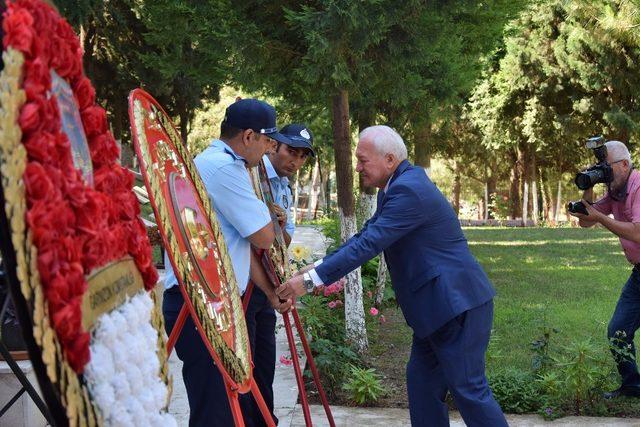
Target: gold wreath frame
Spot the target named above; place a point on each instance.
(237, 364)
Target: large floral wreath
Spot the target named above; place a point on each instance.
(75, 227)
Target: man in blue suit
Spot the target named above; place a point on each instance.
(443, 292)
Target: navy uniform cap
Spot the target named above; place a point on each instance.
(299, 136)
(256, 115)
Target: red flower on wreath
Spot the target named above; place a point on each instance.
(75, 227)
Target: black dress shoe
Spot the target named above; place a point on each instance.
(629, 391)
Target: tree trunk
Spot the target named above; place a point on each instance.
(356, 331)
(457, 187)
(381, 280)
(546, 195)
(514, 189)
(367, 198)
(525, 201)
(423, 147)
(308, 186)
(485, 214)
(366, 202)
(321, 195)
(313, 192)
(524, 184)
(296, 194)
(184, 127)
(490, 188)
(556, 210)
(327, 191)
(119, 118)
(534, 189)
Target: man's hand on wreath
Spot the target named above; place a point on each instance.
(281, 306)
(281, 214)
(292, 288)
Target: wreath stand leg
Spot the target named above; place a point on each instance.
(296, 367)
(296, 361)
(312, 365)
(17, 371)
(177, 328)
(234, 403)
(230, 386)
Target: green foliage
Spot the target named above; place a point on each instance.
(320, 320)
(571, 380)
(326, 328)
(545, 93)
(364, 385)
(585, 371)
(619, 347)
(207, 119)
(175, 49)
(516, 391)
(331, 229)
(332, 359)
(541, 346)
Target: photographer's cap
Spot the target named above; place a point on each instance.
(299, 136)
(256, 115)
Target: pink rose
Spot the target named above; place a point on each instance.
(285, 360)
(373, 311)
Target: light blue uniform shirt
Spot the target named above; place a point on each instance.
(281, 194)
(239, 212)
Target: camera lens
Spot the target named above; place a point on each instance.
(577, 207)
(587, 179)
(583, 181)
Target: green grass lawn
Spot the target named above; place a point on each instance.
(564, 278)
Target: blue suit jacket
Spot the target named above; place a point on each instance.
(434, 275)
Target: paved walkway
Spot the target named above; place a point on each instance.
(394, 417)
(286, 391)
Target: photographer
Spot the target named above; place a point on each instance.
(623, 201)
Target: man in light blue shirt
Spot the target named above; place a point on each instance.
(246, 134)
(239, 212)
(282, 164)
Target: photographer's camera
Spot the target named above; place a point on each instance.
(601, 172)
(577, 207)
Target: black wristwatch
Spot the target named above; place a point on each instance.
(307, 282)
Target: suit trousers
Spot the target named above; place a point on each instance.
(208, 403)
(453, 359)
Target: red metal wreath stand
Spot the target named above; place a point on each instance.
(268, 263)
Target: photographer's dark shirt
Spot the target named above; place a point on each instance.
(627, 210)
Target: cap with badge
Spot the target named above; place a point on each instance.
(299, 136)
(256, 115)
